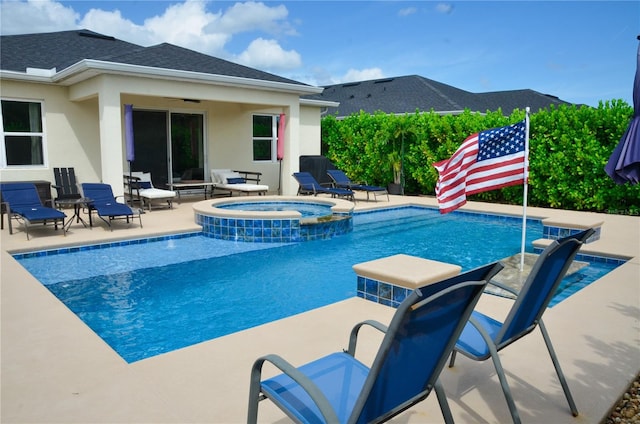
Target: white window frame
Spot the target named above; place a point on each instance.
(273, 139)
(42, 135)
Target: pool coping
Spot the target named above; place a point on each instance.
(54, 369)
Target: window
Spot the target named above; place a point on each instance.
(265, 137)
(22, 133)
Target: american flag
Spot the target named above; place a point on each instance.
(485, 161)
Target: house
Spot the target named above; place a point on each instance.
(406, 94)
(63, 101)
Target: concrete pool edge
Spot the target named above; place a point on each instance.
(55, 369)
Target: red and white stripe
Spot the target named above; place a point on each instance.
(463, 175)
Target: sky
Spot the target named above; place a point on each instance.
(580, 51)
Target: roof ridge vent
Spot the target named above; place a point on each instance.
(383, 80)
(351, 84)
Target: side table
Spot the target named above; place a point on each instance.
(77, 204)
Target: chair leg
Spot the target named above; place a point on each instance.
(503, 382)
(254, 392)
(556, 365)
(499, 370)
(444, 404)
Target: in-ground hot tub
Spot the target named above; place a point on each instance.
(274, 219)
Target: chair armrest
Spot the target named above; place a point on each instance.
(353, 337)
(305, 382)
(504, 287)
(133, 183)
(50, 202)
(250, 175)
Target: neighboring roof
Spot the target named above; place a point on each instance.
(406, 94)
(61, 50)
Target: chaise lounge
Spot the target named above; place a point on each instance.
(308, 185)
(341, 180)
(105, 204)
(232, 181)
(139, 186)
(22, 203)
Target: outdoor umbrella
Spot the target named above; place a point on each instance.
(624, 163)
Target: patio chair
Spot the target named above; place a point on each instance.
(66, 184)
(139, 187)
(484, 337)
(340, 389)
(22, 203)
(307, 184)
(102, 200)
(341, 180)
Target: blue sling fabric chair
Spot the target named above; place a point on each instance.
(104, 203)
(23, 204)
(307, 184)
(341, 180)
(340, 389)
(484, 337)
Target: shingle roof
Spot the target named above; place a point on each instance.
(406, 94)
(62, 49)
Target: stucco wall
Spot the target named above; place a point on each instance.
(83, 123)
(71, 133)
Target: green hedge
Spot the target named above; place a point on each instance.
(569, 147)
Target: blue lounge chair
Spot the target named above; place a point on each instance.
(104, 203)
(307, 184)
(341, 180)
(484, 337)
(340, 389)
(22, 203)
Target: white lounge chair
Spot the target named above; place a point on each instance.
(237, 181)
(140, 186)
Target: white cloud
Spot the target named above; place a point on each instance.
(268, 54)
(114, 24)
(407, 11)
(444, 8)
(362, 74)
(20, 17)
(321, 76)
(252, 16)
(187, 24)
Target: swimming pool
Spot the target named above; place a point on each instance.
(147, 297)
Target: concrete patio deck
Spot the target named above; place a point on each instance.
(54, 369)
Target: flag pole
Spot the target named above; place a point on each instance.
(526, 186)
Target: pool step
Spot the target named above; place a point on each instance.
(512, 276)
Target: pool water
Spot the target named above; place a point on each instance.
(306, 209)
(154, 297)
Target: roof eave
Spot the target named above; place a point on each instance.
(318, 103)
(91, 66)
(88, 68)
(24, 76)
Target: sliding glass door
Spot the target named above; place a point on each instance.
(187, 147)
(170, 145)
